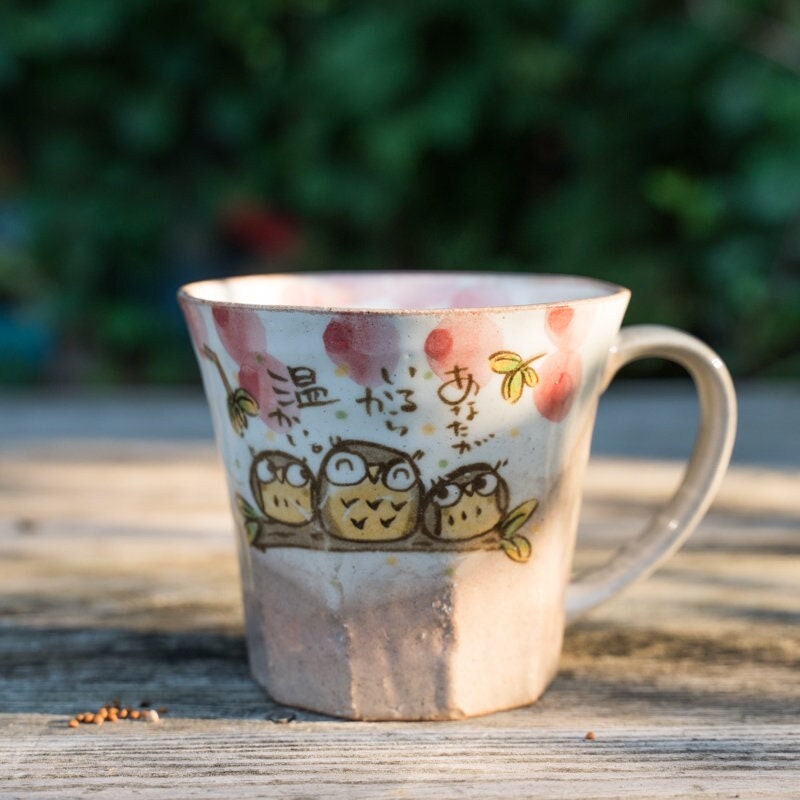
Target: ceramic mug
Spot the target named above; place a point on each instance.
(405, 454)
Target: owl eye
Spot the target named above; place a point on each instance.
(447, 494)
(485, 484)
(346, 469)
(297, 475)
(264, 471)
(400, 477)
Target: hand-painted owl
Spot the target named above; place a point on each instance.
(369, 493)
(466, 503)
(283, 487)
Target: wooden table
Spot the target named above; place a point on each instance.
(118, 580)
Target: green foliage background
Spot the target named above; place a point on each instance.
(655, 144)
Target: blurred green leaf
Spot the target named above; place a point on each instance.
(769, 186)
(147, 122)
(651, 144)
(538, 64)
(361, 62)
(56, 26)
(698, 206)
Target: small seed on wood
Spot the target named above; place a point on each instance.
(590, 736)
(25, 525)
(123, 713)
(73, 723)
(134, 714)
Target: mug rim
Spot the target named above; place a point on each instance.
(606, 291)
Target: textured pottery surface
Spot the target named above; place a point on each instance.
(405, 483)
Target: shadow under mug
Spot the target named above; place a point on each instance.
(405, 455)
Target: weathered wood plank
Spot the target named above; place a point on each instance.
(368, 761)
(118, 579)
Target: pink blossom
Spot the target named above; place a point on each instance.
(463, 341)
(559, 380)
(568, 326)
(240, 331)
(255, 378)
(366, 345)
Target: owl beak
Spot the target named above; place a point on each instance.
(374, 473)
(279, 473)
(469, 489)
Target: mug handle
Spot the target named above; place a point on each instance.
(670, 527)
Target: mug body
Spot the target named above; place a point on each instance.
(404, 455)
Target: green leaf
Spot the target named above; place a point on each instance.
(252, 528)
(517, 518)
(512, 387)
(517, 548)
(245, 509)
(505, 361)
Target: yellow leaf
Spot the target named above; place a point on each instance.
(517, 548)
(237, 417)
(530, 377)
(504, 361)
(517, 517)
(246, 402)
(512, 386)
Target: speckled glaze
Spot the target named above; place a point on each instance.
(404, 456)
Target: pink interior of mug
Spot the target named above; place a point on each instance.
(400, 291)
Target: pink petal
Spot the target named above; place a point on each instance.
(240, 331)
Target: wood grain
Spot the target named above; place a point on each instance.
(118, 580)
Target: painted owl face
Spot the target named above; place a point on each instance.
(283, 487)
(466, 503)
(369, 493)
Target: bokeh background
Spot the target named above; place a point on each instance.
(145, 143)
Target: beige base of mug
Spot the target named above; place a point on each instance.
(347, 638)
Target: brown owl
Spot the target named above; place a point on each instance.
(283, 487)
(369, 493)
(466, 503)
